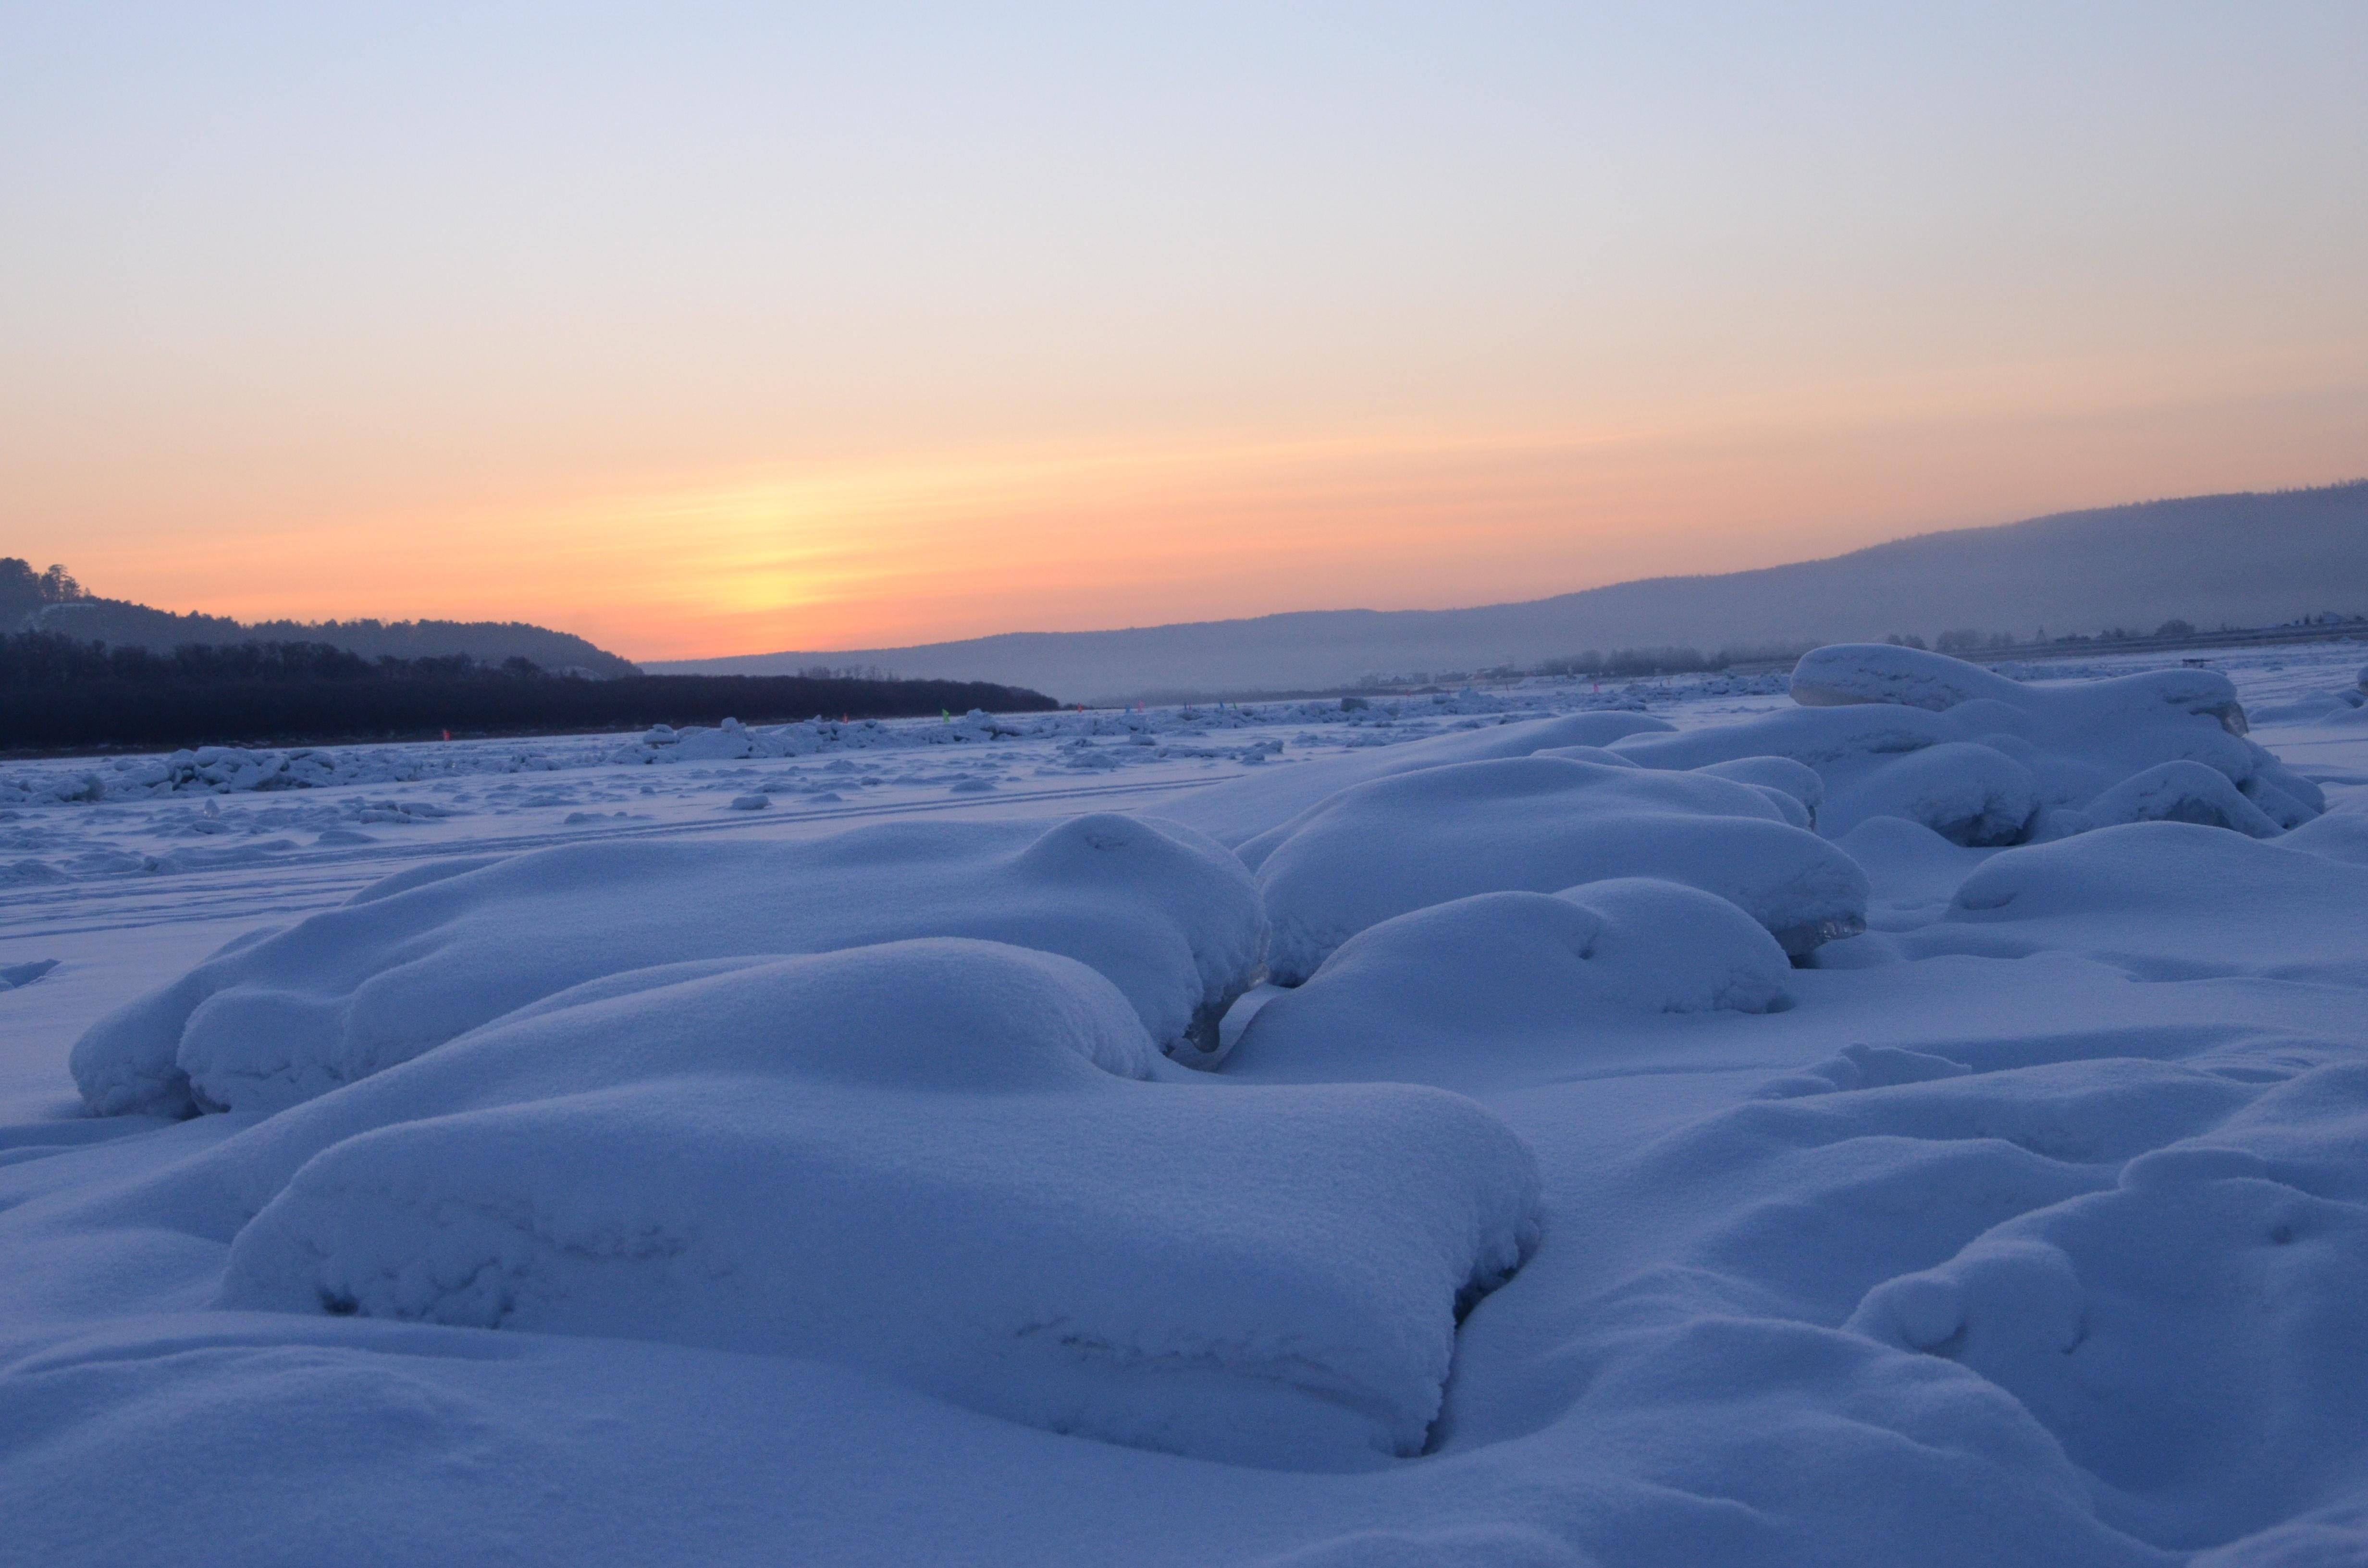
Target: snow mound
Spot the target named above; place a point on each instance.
(1873, 720)
(1603, 754)
(938, 1161)
(1863, 1067)
(1848, 672)
(1171, 918)
(1911, 677)
(2180, 791)
(1798, 780)
(2237, 1257)
(1474, 974)
(1541, 825)
(1235, 813)
(1969, 794)
(2337, 835)
(2166, 900)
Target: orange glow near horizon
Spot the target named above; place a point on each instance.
(947, 546)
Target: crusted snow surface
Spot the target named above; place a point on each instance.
(2026, 1226)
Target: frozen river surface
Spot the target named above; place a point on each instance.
(1925, 1122)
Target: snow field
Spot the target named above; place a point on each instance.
(848, 1191)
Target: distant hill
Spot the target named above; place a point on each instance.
(53, 602)
(2243, 560)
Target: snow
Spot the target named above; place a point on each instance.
(2024, 760)
(1541, 825)
(2180, 791)
(622, 1178)
(409, 965)
(1242, 810)
(1969, 794)
(2168, 900)
(923, 1158)
(1509, 972)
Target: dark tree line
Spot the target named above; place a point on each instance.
(36, 659)
(57, 692)
(1625, 664)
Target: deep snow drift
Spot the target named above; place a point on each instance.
(1921, 1121)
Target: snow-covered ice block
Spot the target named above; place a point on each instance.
(1502, 970)
(1541, 825)
(938, 1160)
(1972, 795)
(1823, 739)
(728, 744)
(1232, 814)
(1848, 672)
(1166, 914)
(2180, 791)
(2166, 900)
(1871, 706)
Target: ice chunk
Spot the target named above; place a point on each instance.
(933, 1159)
(1167, 915)
(1541, 825)
(729, 743)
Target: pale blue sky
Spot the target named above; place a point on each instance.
(279, 280)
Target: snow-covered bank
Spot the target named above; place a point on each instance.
(694, 1183)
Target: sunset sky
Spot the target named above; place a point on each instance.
(707, 329)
